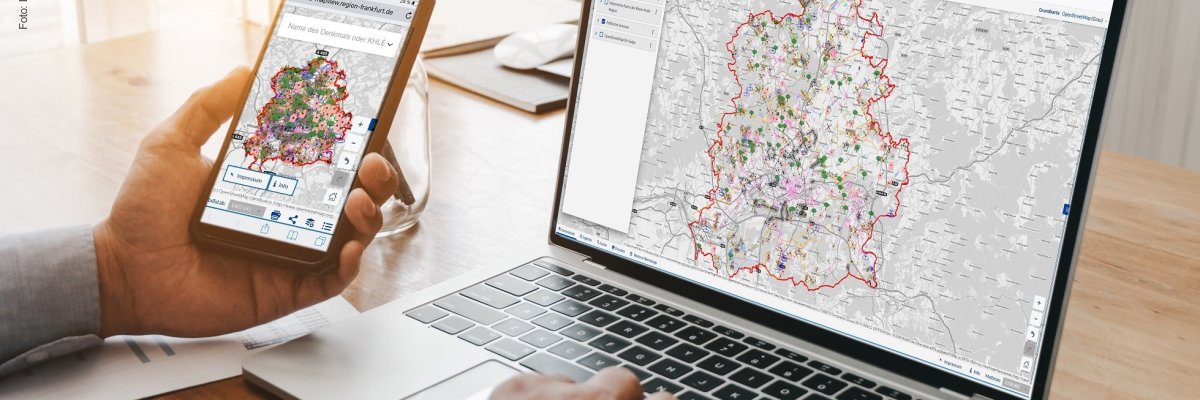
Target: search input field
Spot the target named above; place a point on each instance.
(345, 36)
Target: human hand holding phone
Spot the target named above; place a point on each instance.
(154, 279)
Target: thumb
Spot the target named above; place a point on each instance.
(206, 110)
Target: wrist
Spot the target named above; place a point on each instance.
(114, 306)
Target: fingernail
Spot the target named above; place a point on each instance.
(386, 173)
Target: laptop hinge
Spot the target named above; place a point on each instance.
(593, 264)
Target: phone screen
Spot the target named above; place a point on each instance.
(311, 110)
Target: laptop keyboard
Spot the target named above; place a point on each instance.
(553, 320)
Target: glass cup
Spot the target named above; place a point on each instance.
(408, 152)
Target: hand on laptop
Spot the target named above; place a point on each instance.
(612, 383)
(154, 280)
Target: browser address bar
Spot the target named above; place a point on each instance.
(336, 34)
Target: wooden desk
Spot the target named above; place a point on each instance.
(73, 118)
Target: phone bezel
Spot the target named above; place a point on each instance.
(284, 254)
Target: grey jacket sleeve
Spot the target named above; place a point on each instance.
(49, 296)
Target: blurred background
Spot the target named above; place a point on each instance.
(1154, 112)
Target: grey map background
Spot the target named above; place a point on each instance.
(995, 104)
(367, 77)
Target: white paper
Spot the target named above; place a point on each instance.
(129, 367)
(564, 68)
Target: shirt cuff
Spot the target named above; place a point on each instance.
(49, 296)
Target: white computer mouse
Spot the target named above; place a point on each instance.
(534, 48)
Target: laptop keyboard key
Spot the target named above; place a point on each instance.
(728, 332)
(555, 283)
(544, 298)
(734, 392)
(759, 343)
(824, 384)
(470, 309)
(627, 329)
(512, 285)
(426, 314)
(513, 327)
(669, 310)
(826, 368)
(702, 381)
(636, 312)
(660, 385)
(791, 371)
(586, 280)
(893, 393)
(548, 364)
(639, 356)
(453, 325)
(609, 302)
(598, 318)
(695, 335)
(541, 338)
(492, 297)
(656, 340)
(858, 380)
(479, 336)
(571, 308)
(791, 355)
(757, 359)
(581, 293)
(525, 311)
(580, 332)
(718, 365)
(552, 321)
(750, 377)
(529, 272)
(553, 267)
(784, 391)
(698, 321)
(609, 344)
(569, 350)
(687, 353)
(511, 349)
(665, 323)
(640, 300)
(857, 393)
(598, 361)
(670, 368)
(690, 396)
(726, 347)
(615, 291)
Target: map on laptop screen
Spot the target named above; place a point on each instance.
(899, 173)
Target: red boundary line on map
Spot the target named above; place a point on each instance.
(341, 74)
(875, 62)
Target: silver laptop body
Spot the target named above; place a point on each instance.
(778, 200)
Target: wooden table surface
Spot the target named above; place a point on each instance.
(72, 120)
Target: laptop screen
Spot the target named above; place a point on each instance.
(898, 172)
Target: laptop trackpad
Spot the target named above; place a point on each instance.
(473, 384)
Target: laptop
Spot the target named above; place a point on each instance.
(779, 200)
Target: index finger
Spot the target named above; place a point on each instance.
(207, 109)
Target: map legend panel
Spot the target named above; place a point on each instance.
(601, 185)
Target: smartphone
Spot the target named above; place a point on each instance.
(325, 91)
